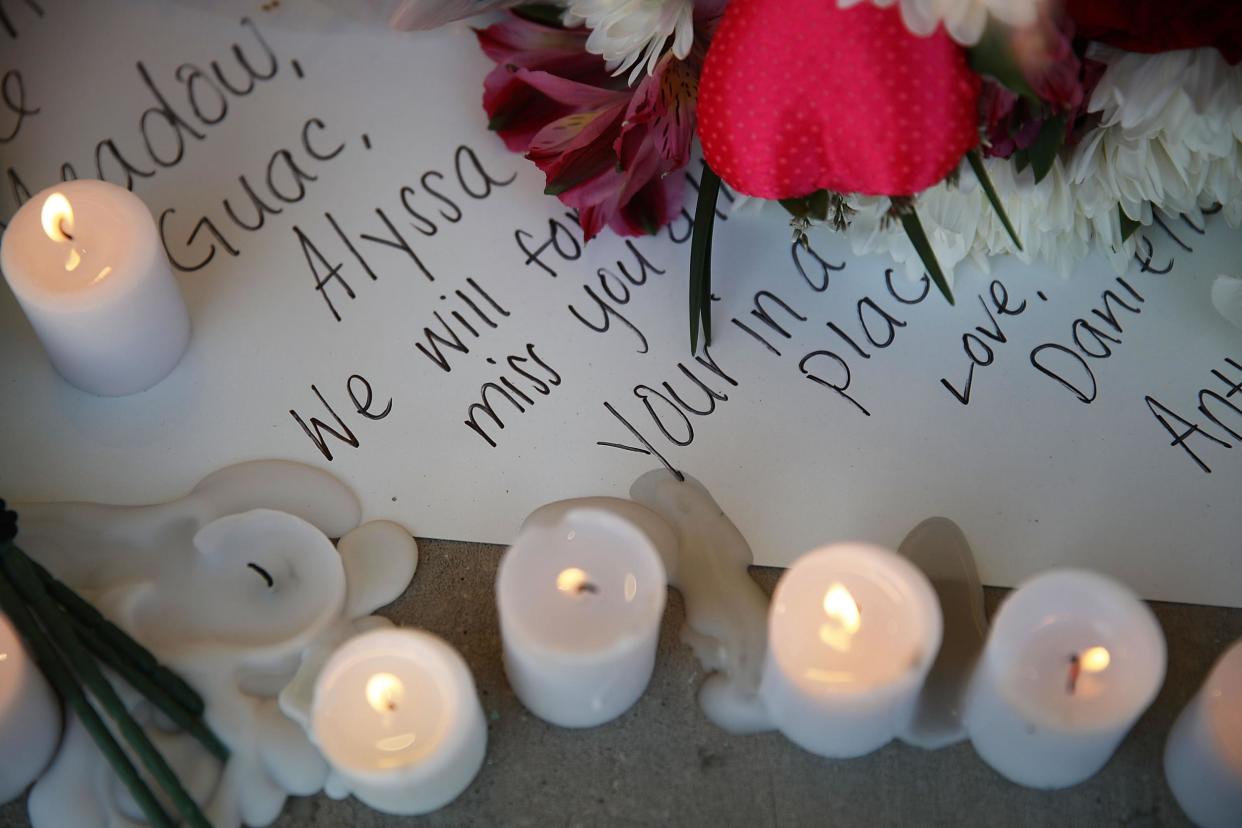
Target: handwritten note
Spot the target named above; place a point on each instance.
(379, 288)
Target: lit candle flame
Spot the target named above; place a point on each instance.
(844, 618)
(1090, 660)
(384, 690)
(575, 581)
(1095, 660)
(57, 218)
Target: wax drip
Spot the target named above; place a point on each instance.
(706, 559)
(138, 566)
(938, 547)
(726, 611)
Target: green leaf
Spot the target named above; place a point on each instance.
(1128, 225)
(548, 14)
(993, 56)
(1021, 160)
(701, 258)
(1044, 151)
(981, 173)
(914, 229)
(813, 206)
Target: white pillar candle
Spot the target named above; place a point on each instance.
(1203, 758)
(30, 720)
(580, 601)
(87, 266)
(395, 712)
(852, 631)
(1073, 659)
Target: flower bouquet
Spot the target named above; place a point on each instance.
(935, 131)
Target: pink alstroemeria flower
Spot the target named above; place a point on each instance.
(1060, 79)
(605, 149)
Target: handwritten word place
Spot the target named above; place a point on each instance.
(332, 277)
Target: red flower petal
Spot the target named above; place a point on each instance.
(515, 110)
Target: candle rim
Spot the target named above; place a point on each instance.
(211, 543)
(137, 257)
(1007, 632)
(914, 584)
(452, 676)
(534, 639)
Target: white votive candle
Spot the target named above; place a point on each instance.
(396, 713)
(87, 266)
(1072, 660)
(1203, 758)
(30, 722)
(852, 631)
(580, 602)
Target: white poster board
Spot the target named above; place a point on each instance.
(406, 259)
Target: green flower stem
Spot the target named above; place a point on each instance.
(126, 647)
(21, 571)
(155, 694)
(701, 258)
(61, 677)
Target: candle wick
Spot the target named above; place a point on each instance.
(61, 226)
(1074, 669)
(266, 576)
(587, 586)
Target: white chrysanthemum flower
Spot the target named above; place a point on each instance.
(961, 224)
(949, 216)
(964, 20)
(1045, 217)
(631, 34)
(1170, 137)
